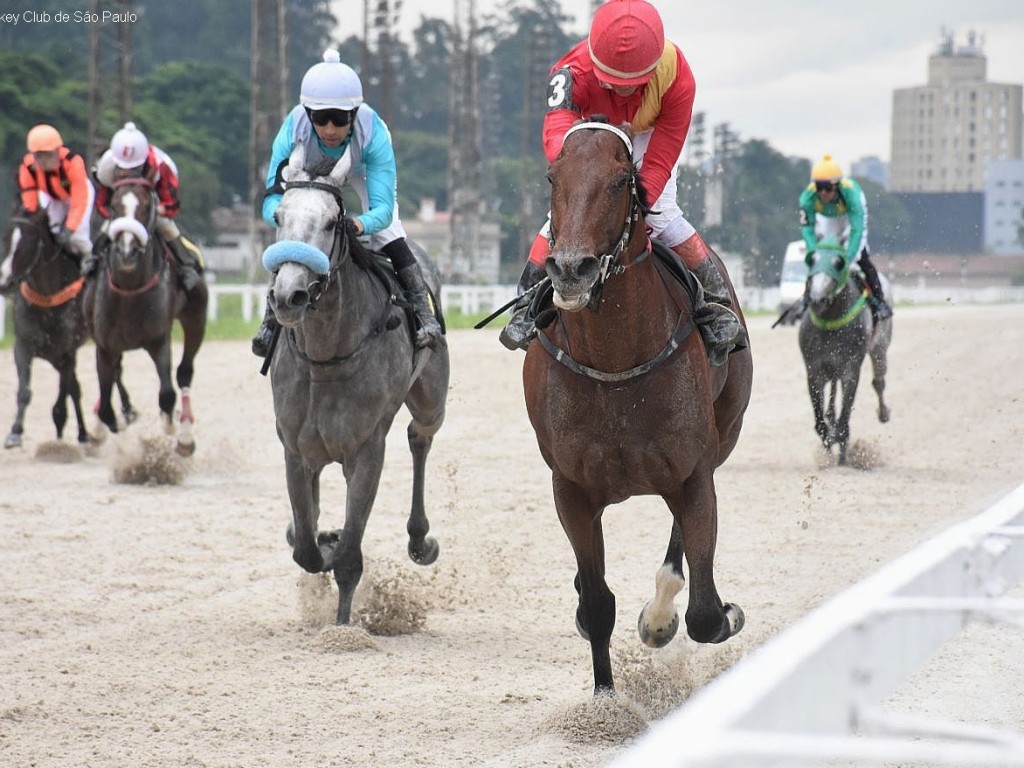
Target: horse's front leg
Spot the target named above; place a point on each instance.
(69, 388)
(695, 509)
(23, 365)
(595, 615)
(160, 353)
(659, 619)
(314, 553)
(816, 388)
(842, 428)
(362, 476)
(107, 366)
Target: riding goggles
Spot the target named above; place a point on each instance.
(340, 117)
(825, 186)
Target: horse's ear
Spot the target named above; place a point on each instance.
(342, 168)
(295, 161)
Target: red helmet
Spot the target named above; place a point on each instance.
(626, 41)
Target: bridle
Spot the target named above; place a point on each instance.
(340, 250)
(143, 234)
(611, 262)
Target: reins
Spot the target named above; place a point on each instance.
(611, 265)
(32, 296)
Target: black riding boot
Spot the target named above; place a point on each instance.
(720, 328)
(261, 341)
(880, 309)
(187, 264)
(520, 329)
(429, 333)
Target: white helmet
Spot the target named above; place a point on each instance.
(331, 85)
(129, 147)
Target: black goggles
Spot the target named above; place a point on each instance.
(825, 186)
(340, 117)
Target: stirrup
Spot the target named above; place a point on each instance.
(518, 332)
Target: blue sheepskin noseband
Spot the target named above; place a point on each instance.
(299, 252)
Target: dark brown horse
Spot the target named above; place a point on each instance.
(48, 323)
(132, 303)
(622, 398)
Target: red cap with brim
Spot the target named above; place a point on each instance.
(626, 42)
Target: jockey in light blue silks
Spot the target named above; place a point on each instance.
(332, 117)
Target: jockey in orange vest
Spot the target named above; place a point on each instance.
(131, 155)
(53, 177)
(627, 71)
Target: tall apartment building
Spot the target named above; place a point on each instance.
(945, 133)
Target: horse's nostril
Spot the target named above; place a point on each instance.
(588, 266)
(298, 299)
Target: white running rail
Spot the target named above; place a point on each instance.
(813, 692)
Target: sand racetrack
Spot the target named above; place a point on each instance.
(166, 626)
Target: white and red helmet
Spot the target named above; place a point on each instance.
(129, 147)
(626, 42)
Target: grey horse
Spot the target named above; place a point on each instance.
(836, 333)
(340, 373)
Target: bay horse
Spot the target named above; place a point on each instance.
(622, 398)
(340, 373)
(835, 334)
(48, 323)
(132, 303)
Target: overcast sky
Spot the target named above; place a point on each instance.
(806, 76)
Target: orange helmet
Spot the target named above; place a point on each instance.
(626, 41)
(44, 138)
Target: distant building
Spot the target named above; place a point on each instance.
(945, 133)
(871, 168)
(1004, 207)
(432, 229)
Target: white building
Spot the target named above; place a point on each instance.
(1004, 207)
(945, 133)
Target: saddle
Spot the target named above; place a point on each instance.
(380, 266)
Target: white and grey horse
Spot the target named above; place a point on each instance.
(340, 374)
(836, 333)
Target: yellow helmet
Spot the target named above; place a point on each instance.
(44, 138)
(826, 169)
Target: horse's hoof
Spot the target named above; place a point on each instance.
(427, 553)
(883, 415)
(130, 416)
(660, 636)
(185, 449)
(289, 534)
(12, 441)
(734, 616)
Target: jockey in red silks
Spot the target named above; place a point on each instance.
(53, 177)
(627, 71)
(131, 155)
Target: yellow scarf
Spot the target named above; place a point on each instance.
(664, 76)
